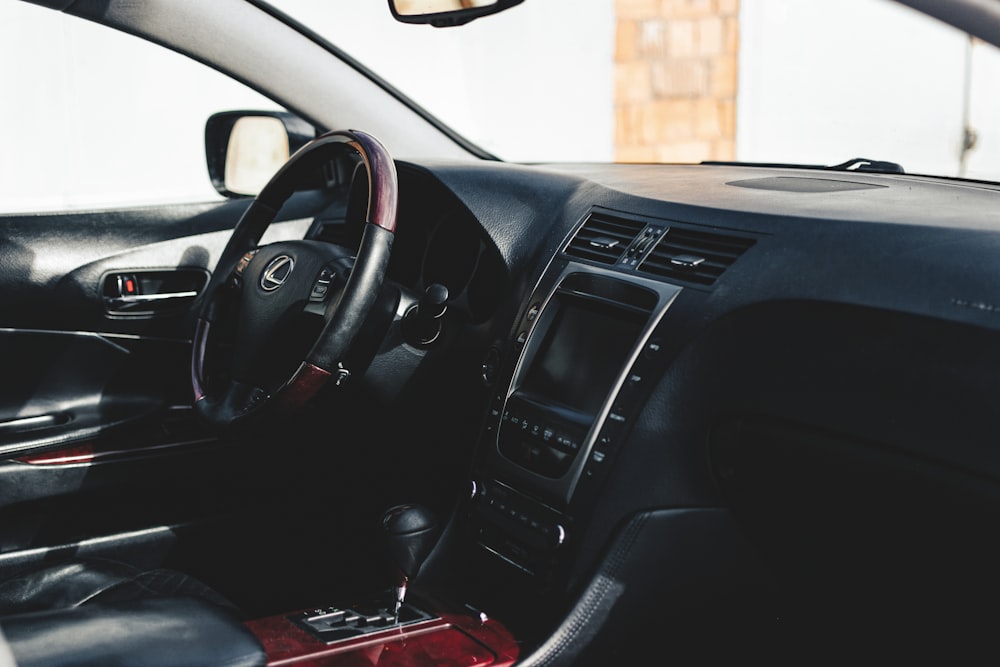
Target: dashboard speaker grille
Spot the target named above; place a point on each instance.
(694, 256)
(604, 238)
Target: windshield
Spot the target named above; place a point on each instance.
(805, 82)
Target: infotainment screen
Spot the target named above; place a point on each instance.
(582, 353)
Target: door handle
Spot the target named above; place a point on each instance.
(150, 293)
(146, 302)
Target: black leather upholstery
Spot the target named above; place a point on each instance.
(80, 582)
(155, 632)
(101, 612)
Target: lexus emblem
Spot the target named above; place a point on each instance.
(276, 273)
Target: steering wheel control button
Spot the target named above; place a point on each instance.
(533, 312)
(319, 292)
(321, 286)
(276, 273)
(244, 262)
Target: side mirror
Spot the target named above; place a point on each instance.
(444, 13)
(245, 148)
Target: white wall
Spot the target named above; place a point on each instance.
(829, 80)
(984, 113)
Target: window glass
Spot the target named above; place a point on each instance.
(810, 81)
(93, 118)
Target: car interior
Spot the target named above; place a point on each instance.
(450, 410)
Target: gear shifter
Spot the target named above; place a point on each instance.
(411, 532)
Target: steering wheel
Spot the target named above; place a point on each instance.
(258, 295)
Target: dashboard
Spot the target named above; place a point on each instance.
(760, 396)
(665, 404)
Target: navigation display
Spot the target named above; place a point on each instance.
(582, 353)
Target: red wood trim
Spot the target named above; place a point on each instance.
(383, 191)
(491, 633)
(448, 641)
(302, 386)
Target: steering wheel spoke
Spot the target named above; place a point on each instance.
(299, 304)
(233, 402)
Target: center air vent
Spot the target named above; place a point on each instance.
(694, 256)
(604, 238)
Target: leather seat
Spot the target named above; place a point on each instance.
(66, 585)
(101, 612)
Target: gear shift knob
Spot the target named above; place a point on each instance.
(411, 531)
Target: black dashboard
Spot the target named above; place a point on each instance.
(667, 404)
(792, 373)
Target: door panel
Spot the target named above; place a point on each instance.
(110, 390)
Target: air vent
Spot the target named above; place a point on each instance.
(694, 256)
(604, 238)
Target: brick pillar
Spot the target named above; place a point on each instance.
(675, 80)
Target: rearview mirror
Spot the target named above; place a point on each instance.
(245, 148)
(444, 13)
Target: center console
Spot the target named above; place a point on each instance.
(330, 637)
(576, 370)
(390, 629)
(568, 384)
